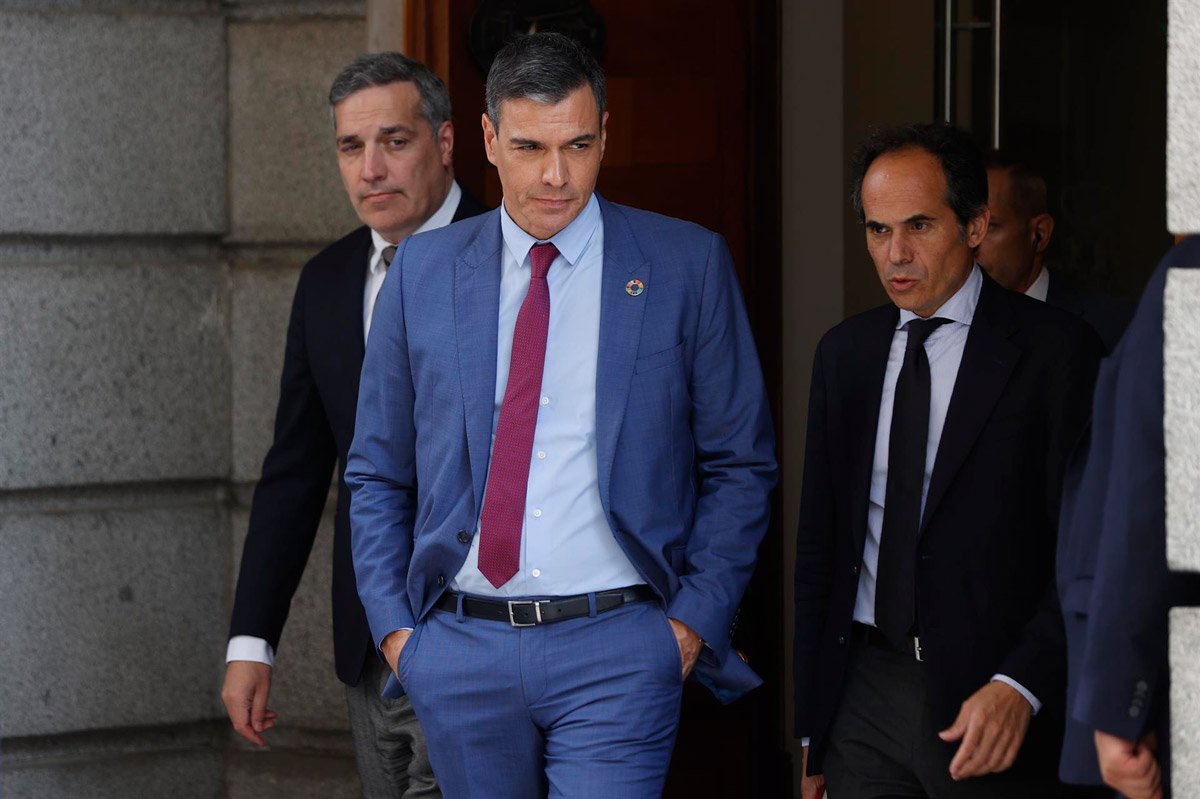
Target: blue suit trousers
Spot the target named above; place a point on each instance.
(582, 708)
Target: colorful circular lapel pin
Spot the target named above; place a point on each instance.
(635, 287)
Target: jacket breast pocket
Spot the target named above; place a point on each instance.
(659, 360)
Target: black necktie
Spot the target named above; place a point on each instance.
(388, 254)
(895, 586)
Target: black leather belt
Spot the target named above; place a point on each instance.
(866, 634)
(532, 612)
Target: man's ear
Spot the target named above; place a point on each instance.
(977, 227)
(1041, 228)
(489, 138)
(603, 133)
(445, 140)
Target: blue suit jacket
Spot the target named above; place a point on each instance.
(1113, 579)
(684, 437)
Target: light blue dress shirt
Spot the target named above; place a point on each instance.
(567, 546)
(944, 348)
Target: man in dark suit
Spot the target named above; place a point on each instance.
(1112, 566)
(929, 647)
(562, 462)
(1013, 251)
(395, 145)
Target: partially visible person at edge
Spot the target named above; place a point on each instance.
(1112, 565)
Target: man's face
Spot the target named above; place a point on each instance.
(548, 157)
(396, 172)
(1009, 248)
(912, 234)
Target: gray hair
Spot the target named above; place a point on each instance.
(545, 68)
(384, 69)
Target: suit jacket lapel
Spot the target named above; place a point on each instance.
(476, 311)
(620, 334)
(864, 374)
(987, 363)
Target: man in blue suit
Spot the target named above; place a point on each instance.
(561, 465)
(1112, 565)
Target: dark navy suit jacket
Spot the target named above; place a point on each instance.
(684, 439)
(314, 424)
(1113, 579)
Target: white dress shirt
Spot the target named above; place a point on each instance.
(377, 269)
(1039, 288)
(944, 348)
(567, 546)
(249, 647)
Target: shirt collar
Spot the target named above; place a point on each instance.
(1039, 288)
(443, 216)
(960, 307)
(571, 241)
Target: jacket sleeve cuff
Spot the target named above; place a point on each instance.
(693, 610)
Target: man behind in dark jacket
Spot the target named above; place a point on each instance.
(1013, 252)
(395, 147)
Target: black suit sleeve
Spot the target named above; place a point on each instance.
(291, 494)
(1038, 662)
(815, 540)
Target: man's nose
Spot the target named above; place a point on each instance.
(554, 171)
(899, 251)
(373, 165)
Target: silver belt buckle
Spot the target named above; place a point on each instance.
(537, 611)
(916, 646)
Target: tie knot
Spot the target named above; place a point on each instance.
(541, 256)
(388, 254)
(920, 329)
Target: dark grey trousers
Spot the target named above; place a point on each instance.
(389, 746)
(883, 745)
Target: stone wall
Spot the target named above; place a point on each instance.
(1181, 326)
(168, 167)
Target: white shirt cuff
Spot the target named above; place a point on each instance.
(1033, 700)
(247, 647)
(804, 742)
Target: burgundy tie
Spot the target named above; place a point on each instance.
(508, 476)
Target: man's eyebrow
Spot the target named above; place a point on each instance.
(918, 218)
(583, 137)
(520, 142)
(349, 138)
(405, 129)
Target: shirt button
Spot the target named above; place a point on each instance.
(464, 537)
(536, 572)
(541, 456)
(537, 512)
(545, 400)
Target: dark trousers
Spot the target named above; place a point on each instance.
(883, 744)
(389, 747)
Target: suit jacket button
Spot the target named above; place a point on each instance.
(854, 569)
(441, 580)
(841, 640)
(464, 537)
(1135, 711)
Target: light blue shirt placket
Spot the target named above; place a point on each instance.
(567, 546)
